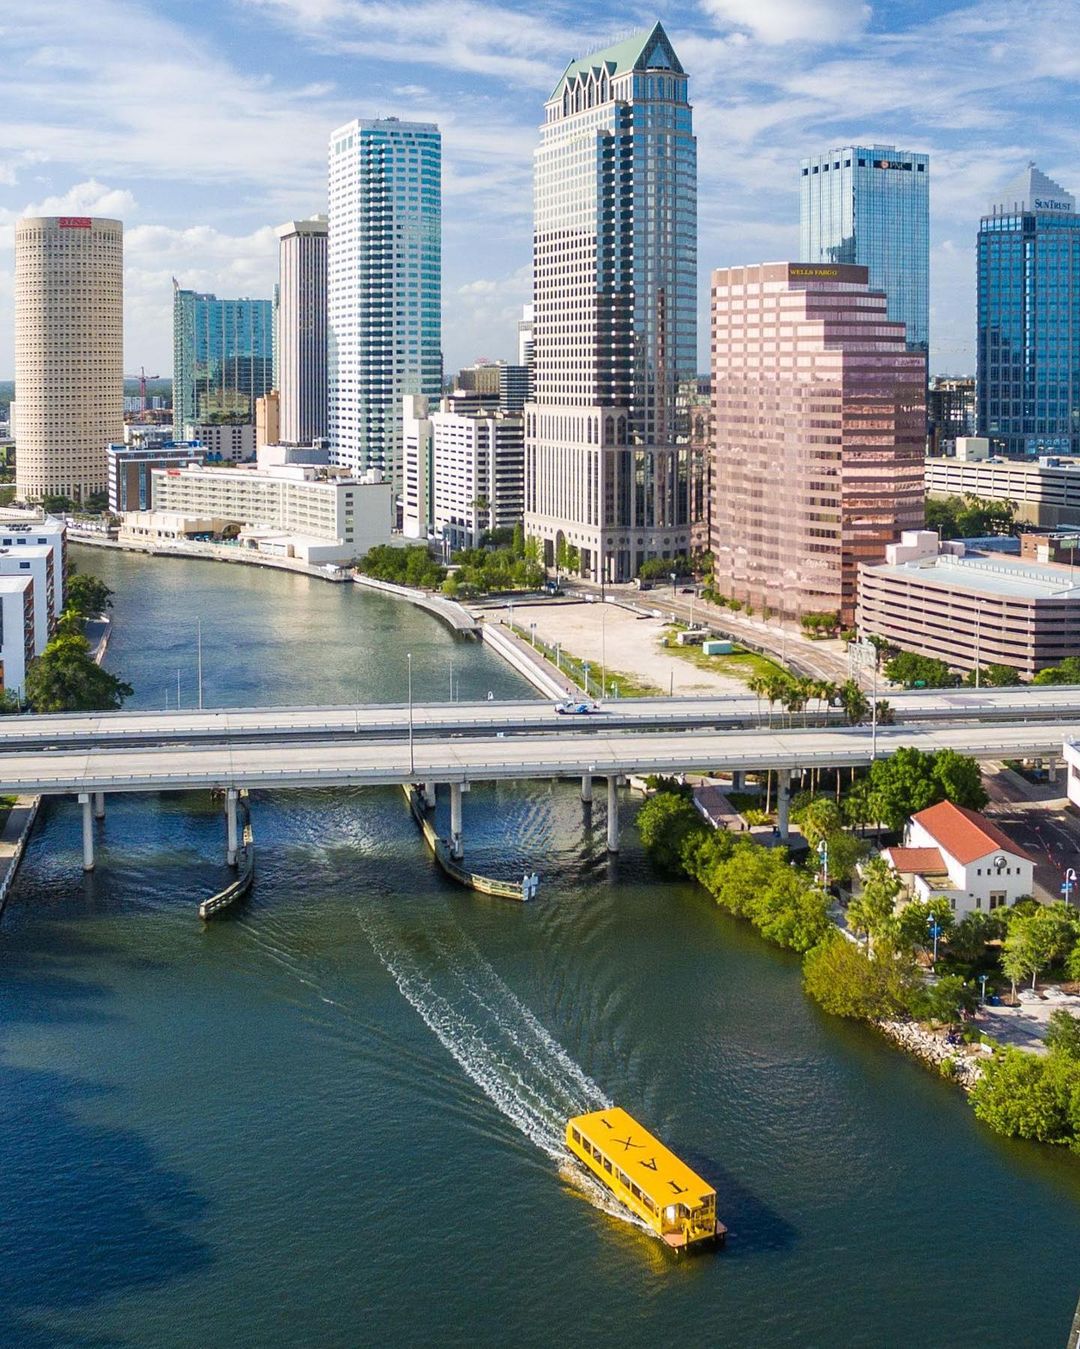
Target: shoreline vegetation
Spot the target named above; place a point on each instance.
(881, 970)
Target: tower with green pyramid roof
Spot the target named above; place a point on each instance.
(609, 470)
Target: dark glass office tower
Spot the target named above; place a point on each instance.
(1029, 319)
(870, 205)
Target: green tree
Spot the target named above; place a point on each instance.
(64, 678)
(902, 785)
(1037, 940)
(55, 504)
(1066, 672)
(1063, 1034)
(968, 939)
(665, 822)
(87, 595)
(913, 922)
(945, 1001)
(517, 546)
(872, 912)
(846, 981)
(994, 676)
(913, 670)
(854, 702)
(1023, 1096)
(792, 911)
(960, 779)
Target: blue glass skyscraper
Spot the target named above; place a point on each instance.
(1028, 388)
(870, 205)
(223, 356)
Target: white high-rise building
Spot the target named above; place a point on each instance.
(384, 281)
(464, 472)
(301, 330)
(69, 353)
(615, 311)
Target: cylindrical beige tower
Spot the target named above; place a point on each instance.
(69, 353)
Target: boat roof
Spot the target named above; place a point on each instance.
(654, 1168)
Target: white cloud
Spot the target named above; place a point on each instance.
(777, 21)
(89, 198)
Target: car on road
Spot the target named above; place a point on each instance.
(688, 590)
(575, 707)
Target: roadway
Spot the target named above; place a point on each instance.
(282, 724)
(477, 758)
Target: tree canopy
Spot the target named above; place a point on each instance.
(969, 517)
(87, 596)
(914, 671)
(64, 678)
(912, 779)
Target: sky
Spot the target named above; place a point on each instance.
(203, 124)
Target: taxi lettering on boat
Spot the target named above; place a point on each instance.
(645, 1176)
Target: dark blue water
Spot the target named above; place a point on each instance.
(336, 1119)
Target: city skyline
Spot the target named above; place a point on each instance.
(771, 84)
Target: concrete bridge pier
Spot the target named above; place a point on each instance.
(87, 831)
(427, 791)
(99, 805)
(586, 788)
(457, 847)
(783, 802)
(738, 781)
(613, 813)
(232, 846)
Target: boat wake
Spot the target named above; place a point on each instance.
(498, 1042)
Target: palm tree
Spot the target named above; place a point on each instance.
(827, 692)
(758, 684)
(855, 702)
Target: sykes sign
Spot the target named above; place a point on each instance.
(74, 222)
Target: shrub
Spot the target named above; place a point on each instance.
(845, 981)
(666, 822)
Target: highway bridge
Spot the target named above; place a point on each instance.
(574, 748)
(277, 724)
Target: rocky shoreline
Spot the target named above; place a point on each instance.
(935, 1052)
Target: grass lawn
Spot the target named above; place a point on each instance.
(618, 685)
(740, 664)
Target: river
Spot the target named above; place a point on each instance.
(334, 1119)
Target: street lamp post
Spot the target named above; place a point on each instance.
(585, 672)
(199, 631)
(412, 764)
(935, 932)
(1070, 881)
(982, 995)
(823, 855)
(673, 585)
(603, 649)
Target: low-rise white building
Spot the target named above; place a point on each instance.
(951, 851)
(308, 512)
(463, 472)
(228, 444)
(17, 636)
(38, 561)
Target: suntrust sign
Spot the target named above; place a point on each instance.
(1048, 204)
(74, 222)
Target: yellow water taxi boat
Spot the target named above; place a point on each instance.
(646, 1177)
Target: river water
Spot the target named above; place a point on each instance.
(335, 1119)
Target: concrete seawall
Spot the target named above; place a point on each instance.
(13, 841)
(521, 657)
(451, 613)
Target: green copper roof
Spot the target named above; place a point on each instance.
(648, 49)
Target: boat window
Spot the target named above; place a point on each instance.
(607, 1164)
(575, 1136)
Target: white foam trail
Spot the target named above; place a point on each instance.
(490, 1033)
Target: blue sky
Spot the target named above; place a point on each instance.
(203, 125)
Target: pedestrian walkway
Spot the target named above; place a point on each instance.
(13, 839)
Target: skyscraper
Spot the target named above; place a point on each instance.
(1028, 386)
(870, 205)
(819, 430)
(614, 291)
(223, 352)
(302, 330)
(69, 353)
(384, 301)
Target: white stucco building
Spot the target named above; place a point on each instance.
(951, 851)
(17, 634)
(463, 473)
(299, 510)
